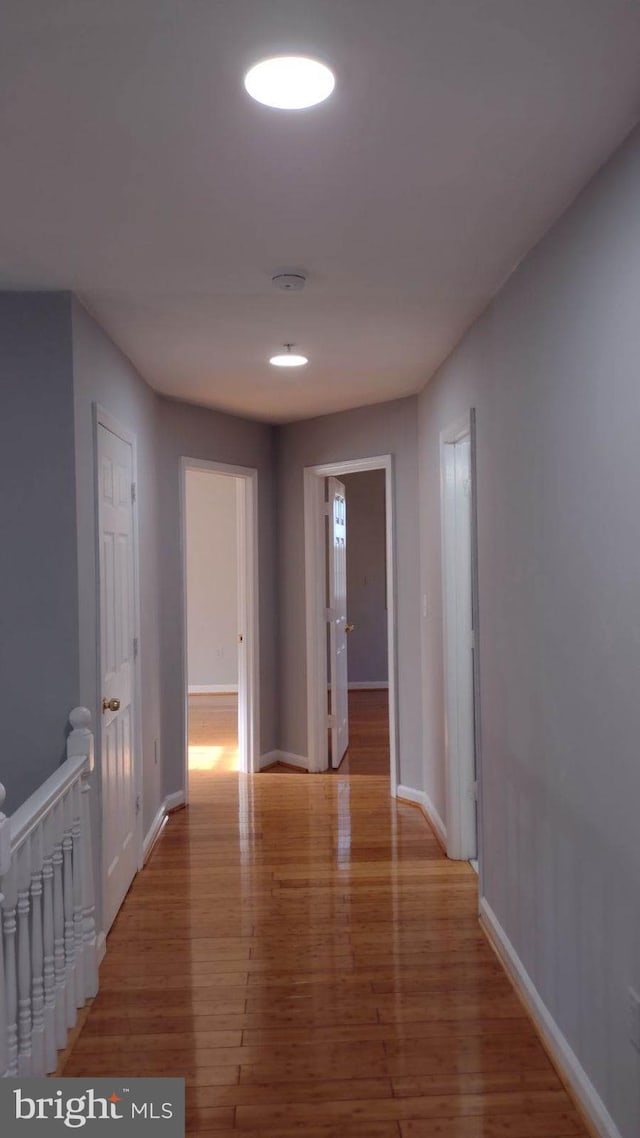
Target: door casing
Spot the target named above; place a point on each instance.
(315, 582)
(248, 611)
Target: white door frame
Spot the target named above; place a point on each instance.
(248, 619)
(463, 834)
(103, 418)
(315, 584)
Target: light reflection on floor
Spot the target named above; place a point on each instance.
(217, 760)
(213, 733)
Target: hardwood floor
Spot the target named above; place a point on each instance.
(368, 750)
(213, 733)
(302, 953)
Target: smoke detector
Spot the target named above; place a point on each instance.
(289, 282)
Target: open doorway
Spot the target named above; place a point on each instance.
(220, 619)
(362, 745)
(351, 634)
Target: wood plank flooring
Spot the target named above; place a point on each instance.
(213, 733)
(368, 750)
(302, 953)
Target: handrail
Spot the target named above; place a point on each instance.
(48, 960)
(27, 817)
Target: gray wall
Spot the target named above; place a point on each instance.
(194, 432)
(553, 369)
(366, 575)
(389, 428)
(38, 573)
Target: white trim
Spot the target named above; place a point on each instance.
(212, 689)
(175, 801)
(560, 1051)
(315, 554)
(462, 843)
(283, 757)
(154, 830)
(103, 418)
(171, 802)
(368, 685)
(248, 611)
(101, 947)
(421, 799)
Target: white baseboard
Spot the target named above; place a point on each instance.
(284, 757)
(367, 685)
(101, 948)
(173, 801)
(154, 830)
(560, 1051)
(428, 809)
(212, 689)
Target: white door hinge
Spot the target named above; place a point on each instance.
(137, 803)
(133, 492)
(135, 647)
(331, 720)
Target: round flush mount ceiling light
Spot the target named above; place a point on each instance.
(288, 358)
(289, 82)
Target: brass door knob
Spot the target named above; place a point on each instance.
(349, 627)
(111, 705)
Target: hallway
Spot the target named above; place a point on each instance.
(300, 950)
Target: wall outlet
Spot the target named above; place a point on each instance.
(634, 1018)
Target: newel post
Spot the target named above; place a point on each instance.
(80, 744)
(5, 859)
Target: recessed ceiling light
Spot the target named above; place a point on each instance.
(288, 358)
(289, 82)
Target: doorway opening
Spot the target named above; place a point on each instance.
(220, 618)
(459, 586)
(351, 632)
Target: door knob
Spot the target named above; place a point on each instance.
(349, 627)
(111, 705)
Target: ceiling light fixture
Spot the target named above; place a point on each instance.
(289, 82)
(288, 358)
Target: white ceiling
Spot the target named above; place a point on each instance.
(136, 171)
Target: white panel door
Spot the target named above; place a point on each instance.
(117, 614)
(338, 620)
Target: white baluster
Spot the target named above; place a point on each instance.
(37, 957)
(78, 933)
(69, 934)
(80, 743)
(4, 868)
(11, 973)
(51, 1061)
(58, 931)
(24, 959)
